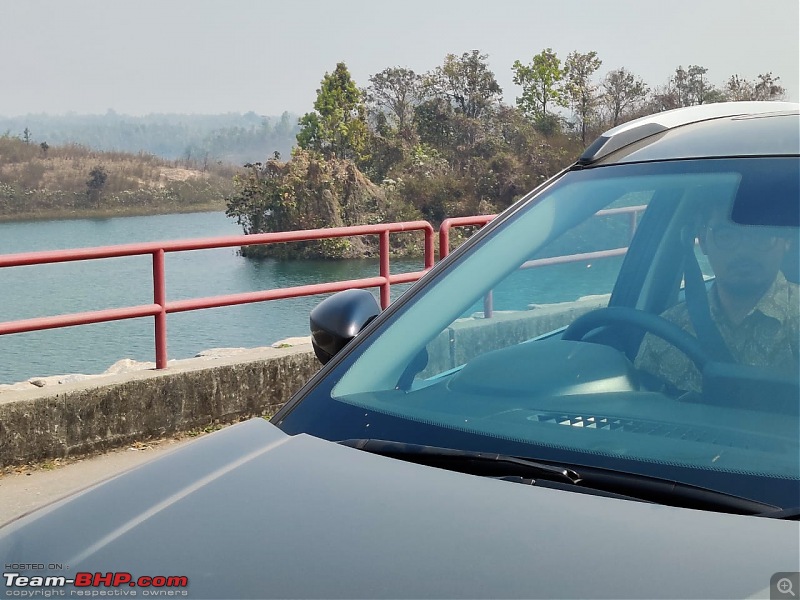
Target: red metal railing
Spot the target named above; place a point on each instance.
(448, 224)
(161, 307)
(488, 304)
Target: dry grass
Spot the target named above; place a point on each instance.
(37, 182)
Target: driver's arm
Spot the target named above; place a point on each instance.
(666, 363)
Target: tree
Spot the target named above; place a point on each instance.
(679, 84)
(541, 83)
(738, 89)
(621, 92)
(338, 126)
(260, 203)
(687, 87)
(434, 119)
(467, 83)
(460, 98)
(699, 91)
(766, 88)
(26, 136)
(581, 92)
(394, 93)
(95, 184)
(311, 136)
(307, 192)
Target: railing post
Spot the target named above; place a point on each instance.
(160, 298)
(384, 254)
(429, 251)
(444, 239)
(488, 305)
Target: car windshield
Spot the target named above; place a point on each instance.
(568, 331)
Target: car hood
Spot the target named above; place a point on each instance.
(250, 512)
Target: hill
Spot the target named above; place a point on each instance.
(39, 181)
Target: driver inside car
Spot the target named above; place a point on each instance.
(751, 309)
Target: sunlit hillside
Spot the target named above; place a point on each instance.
(42, 181)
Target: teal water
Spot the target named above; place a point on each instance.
(47, 290)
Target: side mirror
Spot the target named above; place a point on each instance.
(338, 319)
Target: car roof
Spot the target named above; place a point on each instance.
(725, 129)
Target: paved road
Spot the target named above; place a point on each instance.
(25, 490)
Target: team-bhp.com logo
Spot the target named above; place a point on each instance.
(91, 584)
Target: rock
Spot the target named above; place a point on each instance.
(126, 365)
(221, 352)
(292, 341)
(74, 377)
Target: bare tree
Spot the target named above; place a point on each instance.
(737, 89)
(468, 84)
(766, 88)
(393, 93)
(698, 88)
(679, 85)
(622, 92)
(582, 93)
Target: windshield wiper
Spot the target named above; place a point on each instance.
(672, 493)
(786, 514)
(465, 461)
(585, 479)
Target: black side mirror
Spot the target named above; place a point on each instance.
(338, 319)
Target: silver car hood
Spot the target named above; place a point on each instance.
(249, 512)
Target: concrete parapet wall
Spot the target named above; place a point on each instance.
(106, 412)
(468, 338)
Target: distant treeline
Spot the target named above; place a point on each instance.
(232, 138)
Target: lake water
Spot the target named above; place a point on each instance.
(47, 290)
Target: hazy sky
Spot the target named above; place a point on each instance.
(212, 56)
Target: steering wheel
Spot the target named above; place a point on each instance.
(658, 326)
(731, 385)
